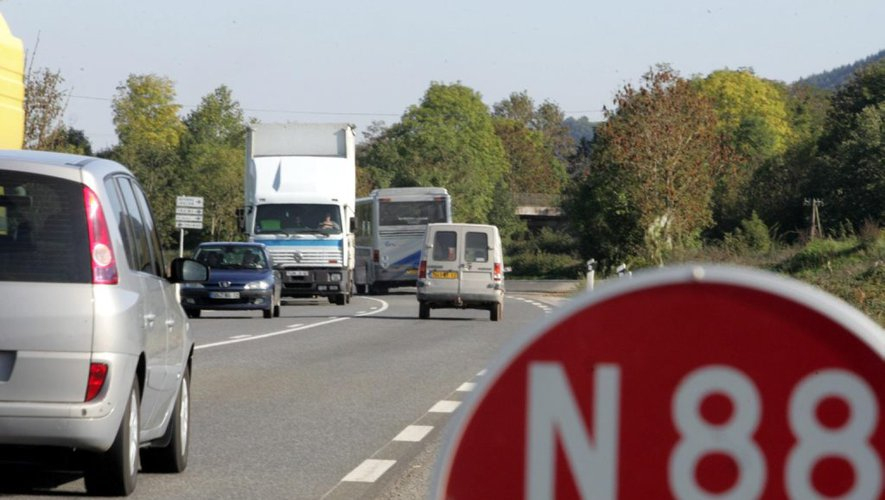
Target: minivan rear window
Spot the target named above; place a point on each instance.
(43, 234)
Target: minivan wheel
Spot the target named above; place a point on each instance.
(114, 472)
(268, 313)
(172, 455)
(423, 310)
(192, 313)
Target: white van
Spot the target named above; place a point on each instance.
(461, 267)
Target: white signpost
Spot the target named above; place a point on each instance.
(188, 215)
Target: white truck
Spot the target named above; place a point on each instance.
(300, 194)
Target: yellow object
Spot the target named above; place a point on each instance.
(12, 89)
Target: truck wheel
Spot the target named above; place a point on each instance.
(423, 311)
(340, 299)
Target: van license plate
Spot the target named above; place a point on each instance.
(224, 295)
(445, 275)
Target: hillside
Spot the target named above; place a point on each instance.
(830, 80)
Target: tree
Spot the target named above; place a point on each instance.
(213, 148)
(650, 180)
(45, 104)
(448, 140)
(754, 120)
(147, 124)
(850, 177)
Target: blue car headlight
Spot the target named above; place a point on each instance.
(192, 285)
(257, 285)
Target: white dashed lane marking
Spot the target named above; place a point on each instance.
(445, 407)
(414, 433)
(466, 387)
(369, 471)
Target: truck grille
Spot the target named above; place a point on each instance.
(305, 256)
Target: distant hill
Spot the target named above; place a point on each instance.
(832, 79)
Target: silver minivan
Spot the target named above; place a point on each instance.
(461, 266)
(95, 351)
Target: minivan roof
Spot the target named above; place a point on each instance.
(58, 159)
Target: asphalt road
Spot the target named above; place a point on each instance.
(326, 401)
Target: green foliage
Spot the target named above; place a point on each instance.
(447, 140)
(752, 236)
(44, 108)
(650, 181)
(753, 119)
(850, 175)
(147, 123)
(548, 254)
(212, 152)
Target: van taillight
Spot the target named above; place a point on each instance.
(376, 256)
(498, 272)
(98, 373)
(104, 266)
(422, 270)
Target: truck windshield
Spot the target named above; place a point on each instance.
(297, 219)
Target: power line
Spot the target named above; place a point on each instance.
(304, 112)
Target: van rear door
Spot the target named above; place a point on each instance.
(444, 265)
(477, 261)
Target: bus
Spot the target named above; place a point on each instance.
(390, 232)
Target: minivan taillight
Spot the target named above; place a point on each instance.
(422, 270)
(98, 373)
(104, 266)
(498, 272)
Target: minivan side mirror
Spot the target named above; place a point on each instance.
(185, 270)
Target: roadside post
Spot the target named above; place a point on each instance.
(591, 274)
(188, 215)
(687, 382)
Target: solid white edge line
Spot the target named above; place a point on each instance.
(291, 330)
(369, 471)
(414, 433)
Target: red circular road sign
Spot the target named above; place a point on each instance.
(693, 382)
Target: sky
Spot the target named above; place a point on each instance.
(358, 61)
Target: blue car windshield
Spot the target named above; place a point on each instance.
(231, 257)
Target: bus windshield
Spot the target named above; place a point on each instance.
(411, 213)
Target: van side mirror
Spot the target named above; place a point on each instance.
(352, 225)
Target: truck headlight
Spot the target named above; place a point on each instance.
(334, 276)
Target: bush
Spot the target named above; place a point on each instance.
(546, 265)
(752, 236)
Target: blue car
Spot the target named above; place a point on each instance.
(241, 277)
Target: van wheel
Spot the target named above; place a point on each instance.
(193, 313)
(172, 456)
(276, 311)
(423, 311)
(497, 311)
(114, 472)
